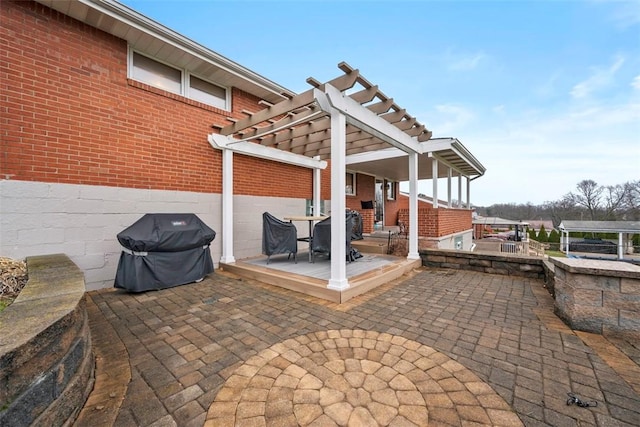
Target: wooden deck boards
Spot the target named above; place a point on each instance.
(364, 274)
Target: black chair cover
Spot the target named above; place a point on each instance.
(278, 237)
(322, 236)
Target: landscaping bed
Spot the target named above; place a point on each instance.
(13, 277)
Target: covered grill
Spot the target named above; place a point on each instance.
(164, 250)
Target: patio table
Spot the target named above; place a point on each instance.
(310, 219)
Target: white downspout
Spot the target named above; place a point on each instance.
(413, 206)
(338, 280)
(227, 207)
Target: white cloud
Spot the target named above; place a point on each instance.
(451, 118)
(635, 83)
(626, 14)
(464, 62)
(600, 78)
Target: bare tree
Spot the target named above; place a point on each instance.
(632, 201)
(614, 200)
(588, 195)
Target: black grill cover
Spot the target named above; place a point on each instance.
(164, 250)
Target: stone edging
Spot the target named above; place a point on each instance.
(46, 360)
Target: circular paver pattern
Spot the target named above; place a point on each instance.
(355, 378)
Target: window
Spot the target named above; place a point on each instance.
(207, 93)
(156, 74)
(391, 190)
(350, 186)
(166, 77)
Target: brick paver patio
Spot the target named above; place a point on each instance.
(433, 348)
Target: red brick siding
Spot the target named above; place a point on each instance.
(269, 178)
(70, 115)
(438, 222)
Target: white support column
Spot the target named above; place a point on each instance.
(620, 247)
(338, 278)
(468, 193)
(449, 204)
(459, 190)
(316, 189)
(227, 207)
(413, 206)
(435, 182)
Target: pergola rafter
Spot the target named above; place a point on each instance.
(299, 125)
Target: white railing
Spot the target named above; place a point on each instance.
(536, 248)
(530, 247)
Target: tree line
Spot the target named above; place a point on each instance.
(588, 202)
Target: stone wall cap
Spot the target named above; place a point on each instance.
(598, 267)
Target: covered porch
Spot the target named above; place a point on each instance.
(338, 124)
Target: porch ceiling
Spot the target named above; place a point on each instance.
(393, 164)
(301, 125)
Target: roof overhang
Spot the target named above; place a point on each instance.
(631, 227)
(392, 163)
(154, 39)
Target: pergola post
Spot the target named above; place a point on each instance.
(227, 207)
(338, 279)
(413, 206)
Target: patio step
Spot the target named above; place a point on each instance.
(371, 246)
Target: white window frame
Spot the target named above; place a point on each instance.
(392, 185)
(185, 80)
(353, 190)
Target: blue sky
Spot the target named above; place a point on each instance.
(543, 93)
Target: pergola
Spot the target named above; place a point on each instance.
(619, 227)
(337, 121)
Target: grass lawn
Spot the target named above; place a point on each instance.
(556, 254)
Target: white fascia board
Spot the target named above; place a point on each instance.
(221, 142)
(441, 144)
(372, 156)
(362, 118)
(140, 22)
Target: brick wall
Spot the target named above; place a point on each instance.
(70, 115)
(438, 222)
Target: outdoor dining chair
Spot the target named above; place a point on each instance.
(278, 237)
(322, 237)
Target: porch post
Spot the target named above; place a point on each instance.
(413, 206)
(460, 190)
(435, 182)
(227, 207)
(468, 193)
(338, 278)
(449, 188)
(316, 189)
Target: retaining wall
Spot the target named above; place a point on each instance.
(598, 296)
(46, 362)
(526, 266)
